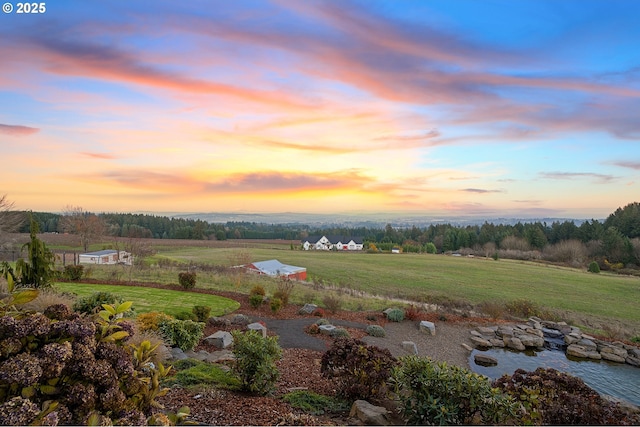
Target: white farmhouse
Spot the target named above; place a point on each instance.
(340, 243)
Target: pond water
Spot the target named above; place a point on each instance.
(613, 379)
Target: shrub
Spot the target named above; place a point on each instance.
(636, 339)
(522, 308)
(93, 303)
(340, 333)
(412, 312)
(201, 312)
(362, 370)
(256, 358)
(594, 267)
(76, 370)
(376, 331)
(395, 315)
(184, 334)
(493, 309)
(318, 312)
(73, 272)
(161, 353)
(313, 329)
(314, 403)
(257, 290)
(284, 287)
(332, 303)
(437, 393)
(555, 398)
(275, 305)
(321, 322)
(256, 300)
(187, 315)
(151, 321)
(187, 279)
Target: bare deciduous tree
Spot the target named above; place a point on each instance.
(86, 225)
(10, 219)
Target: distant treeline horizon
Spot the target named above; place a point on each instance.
(617, 230)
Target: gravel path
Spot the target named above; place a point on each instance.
(446, 345)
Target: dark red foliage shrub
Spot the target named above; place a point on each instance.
(362, 370)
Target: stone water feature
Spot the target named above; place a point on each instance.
(611, 368)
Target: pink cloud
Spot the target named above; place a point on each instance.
(17, 130)
(98, 155)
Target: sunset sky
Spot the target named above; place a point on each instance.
(448, 107)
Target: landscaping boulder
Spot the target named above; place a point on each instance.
(529, 340)
(258, 327)
(427, 327)
(514, 343)
(369, 414)
(308, 309)
(220, 339)
(485, 359)
(177, 354)
(327, 329)
(410, 347)
(480, 342)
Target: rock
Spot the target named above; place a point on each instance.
(612, 357)
(178, 354)
(634, 352)
(588, 344)
(480, 342)
(467, 347)
(220, 339)
(429, 327)
(576, 350)
(308, 309)
(258, 327)
(486, 331)
(496, 342)
(505, 331)
(218, 322)
(514, 343)
(533, 331)
(327, 329)
(613, 349)
(410, 347)
(476, 333)
(594, 355)
(529, 340)
(221, 356)
(485, 360)
(369, 414)
(240, 319)
(201, 355)
(633, 361)
(572, 338)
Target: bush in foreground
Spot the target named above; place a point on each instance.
(187, 279)
(555, 398)
(362, 370)
(256, 358)
(437, 393)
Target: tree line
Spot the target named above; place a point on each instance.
(616, 239)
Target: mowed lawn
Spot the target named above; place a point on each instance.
(472, 279)
(152, 299)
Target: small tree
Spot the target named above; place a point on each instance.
(38, 270)
(86, 225)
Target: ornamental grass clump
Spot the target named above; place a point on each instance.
(375, 331)
(395, 315)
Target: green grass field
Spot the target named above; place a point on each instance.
(471, 279)
(152, 299)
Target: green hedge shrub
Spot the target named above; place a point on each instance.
(395, 315)
(201, 312)
(256, 358)
(594, 267)
(376, 331)
(93, 303)
(256, 300)
(184, 334)
(187, 279)
(73, 272)
(434, 393)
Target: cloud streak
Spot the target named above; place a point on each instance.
(17, 130)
